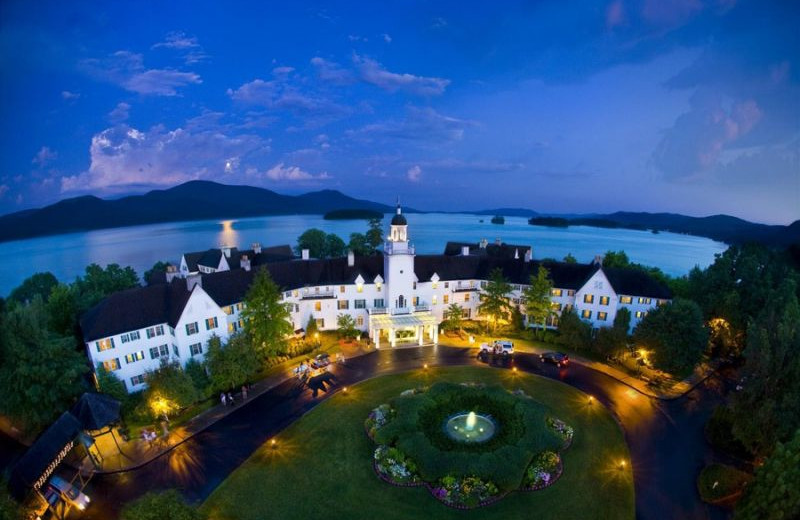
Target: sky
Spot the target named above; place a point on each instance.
(684, 106)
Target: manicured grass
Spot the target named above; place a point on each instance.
(729, 480)
(321, 466)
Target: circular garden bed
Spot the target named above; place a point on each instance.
(415, 449)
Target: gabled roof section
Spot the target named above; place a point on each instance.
(492, 249)
(635, 282)
(210, 258)
(135, 309)
(96, 411)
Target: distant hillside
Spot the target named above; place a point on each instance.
(353, 214)
(507, 212)
(195, 200)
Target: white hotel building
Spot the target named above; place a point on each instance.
(395, 298)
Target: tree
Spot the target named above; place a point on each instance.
(767, 409)
(569, 259)
(158, 267)
(169, 389)
(375, 234)
(358, 244)
(334, 246)
(538, 306)
(108, 383)
(573, 331)
(452, 318)
(196, 371)
(311, 327)
(346, 326)
(774, 494)
(314, 240)
(610, 341)
(98, 283)
(494, 299)
(39, 284)
(674, 334)
(616, 259)
(40, 373)
(266, 319)
(233, 364)
(62, 307)
(164, 505)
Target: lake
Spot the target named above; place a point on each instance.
(140, 247)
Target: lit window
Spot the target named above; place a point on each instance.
(434, 285)
(341, 288)
(587, 314)
(211, 323)
(231, 328)
(105, 344)
(317, 306)
(416, 301)
(228, 310)
(360, 321)
(556, 292)
(434, 300)
(640, 314)
(466, 297)
(570, 292)
(646, 301)
(360, 288)
(343, 305)
(556, 306)
(196, 349)
(111, 365)
(320, 323)
(137, 380)
(588, 298)
(625, 299)
(191, 328)
(134, 357)
(378, 286)
(239, 306)
(445, 299)
(601, 316)
(604, 300)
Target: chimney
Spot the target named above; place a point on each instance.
(598, 260)
(464, 250)
(351, 258)
(245, 262)
(172, 272)
(516, 254)
(192, 280)
(498, 242)
(484, 243)
(528, 254)
(226, 250)
(305, 254)
(256, 246)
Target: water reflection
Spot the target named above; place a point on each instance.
(228, 236)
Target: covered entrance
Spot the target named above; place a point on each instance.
(415, 328)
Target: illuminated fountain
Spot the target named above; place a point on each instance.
(470, 427)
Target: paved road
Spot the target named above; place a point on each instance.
(665, 438)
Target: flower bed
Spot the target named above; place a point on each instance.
(414, 450)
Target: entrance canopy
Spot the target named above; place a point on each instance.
(422, 323)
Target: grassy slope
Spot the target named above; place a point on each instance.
(322, 467)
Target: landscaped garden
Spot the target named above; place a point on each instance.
(325, 464)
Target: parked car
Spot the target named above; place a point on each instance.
(500, 347)
(557, 358)
(321, 360)
(69, 493)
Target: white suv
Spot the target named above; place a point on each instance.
(500, 347)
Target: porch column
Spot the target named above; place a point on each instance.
(392, 339)
(376, 337)
(435, 334)
(420, 334)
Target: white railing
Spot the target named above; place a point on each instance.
(321, 294)
(378, 310)
(400, 310)
(421, 308)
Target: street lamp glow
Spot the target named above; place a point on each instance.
(591, 399)
(514, 369)
(621, 465)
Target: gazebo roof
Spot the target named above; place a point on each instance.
(96, 411)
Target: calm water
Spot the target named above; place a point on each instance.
(140, 247)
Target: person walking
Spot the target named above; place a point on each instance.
(230, 399)
(244, 392)
(223, 399)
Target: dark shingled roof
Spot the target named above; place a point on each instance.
(96, 411)
(135, 309)
(46, 448)
(633, 282)
(211, 257)
(497, 250)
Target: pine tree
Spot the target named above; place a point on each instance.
(538, 306)
(266, 318)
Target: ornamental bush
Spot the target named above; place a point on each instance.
(468, 491)
(543, 469)
(395, 466)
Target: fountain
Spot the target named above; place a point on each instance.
(470, 427)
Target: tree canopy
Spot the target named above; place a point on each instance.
(573, 331)
(266, 318)
(346, 326)
(233, 364)
(452, 317)
(169, 389)
(40, 284)
(164, 505)
(674, 334)
(494, 304)
(314, 240)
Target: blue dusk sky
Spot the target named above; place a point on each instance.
(686, 106)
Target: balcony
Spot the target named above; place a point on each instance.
(389, 248)
(400, 310)
(378, 310)
(321, 295)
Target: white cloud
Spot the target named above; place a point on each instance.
(66, 94)
(279, 172)
(126, 69)
(279, 94)
(420, 124)
(120, 113)
(190, 48)
(374, 73)
(387, 38)
(44, 156)
(414, 173)
(331, 72)
(122, 156)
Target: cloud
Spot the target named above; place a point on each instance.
(374, 73)
(3, 189)
(69, 96)
(120, 113)
(189, 46)
(279, 172)
(387, 38)
(122, 156)
(331, 72)
(279, 94)
(44, 156)
(126, 69)
(420, 124)
(694, 144)
(615, 14)
(414, 173)
(670, 13)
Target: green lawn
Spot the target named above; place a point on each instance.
(321, 466)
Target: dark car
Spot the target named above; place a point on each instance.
(557, 358)
(321, 361)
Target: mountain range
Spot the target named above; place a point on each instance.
(200, 200)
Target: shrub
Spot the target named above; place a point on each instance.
(718, 481)
(464, 491)
(718, 433)
(377, 418)
(542, 470)
(394, 465)
(166, 505)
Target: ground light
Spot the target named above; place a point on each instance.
(514, 369)
(621, 465)
(425, 366)
(591, 399)
(274, 444)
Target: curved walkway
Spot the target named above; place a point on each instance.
(665, 438)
